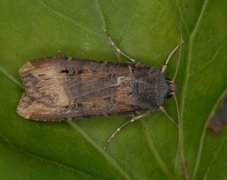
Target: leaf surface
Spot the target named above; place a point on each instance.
(148, 31)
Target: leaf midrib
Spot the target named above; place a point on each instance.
(55, 163)
(185, 87)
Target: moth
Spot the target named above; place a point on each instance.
(58, 89)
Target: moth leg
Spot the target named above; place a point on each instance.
(61, 55)
(134, 118)
(164, 67)
(168, 116)
(114, 45)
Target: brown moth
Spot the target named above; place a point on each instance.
(58, 89)
(62, 89)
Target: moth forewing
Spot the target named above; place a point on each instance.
(62, 89)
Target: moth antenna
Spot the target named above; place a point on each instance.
(168, 116)
(173, 80)
(178, 60)
(175, 75)
(164, 67)
(135, 118)
(114, 45)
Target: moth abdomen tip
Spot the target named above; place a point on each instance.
(23, 112)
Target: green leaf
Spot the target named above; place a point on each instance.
(147, 30)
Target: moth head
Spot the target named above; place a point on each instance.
(172, 88)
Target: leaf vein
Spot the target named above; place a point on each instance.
(219, 50)
(70, 168)
(75, 22)
(155, 153)
(186, 80)
(201, 142)
(10, 77)
(215, 157)
(97, 147)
